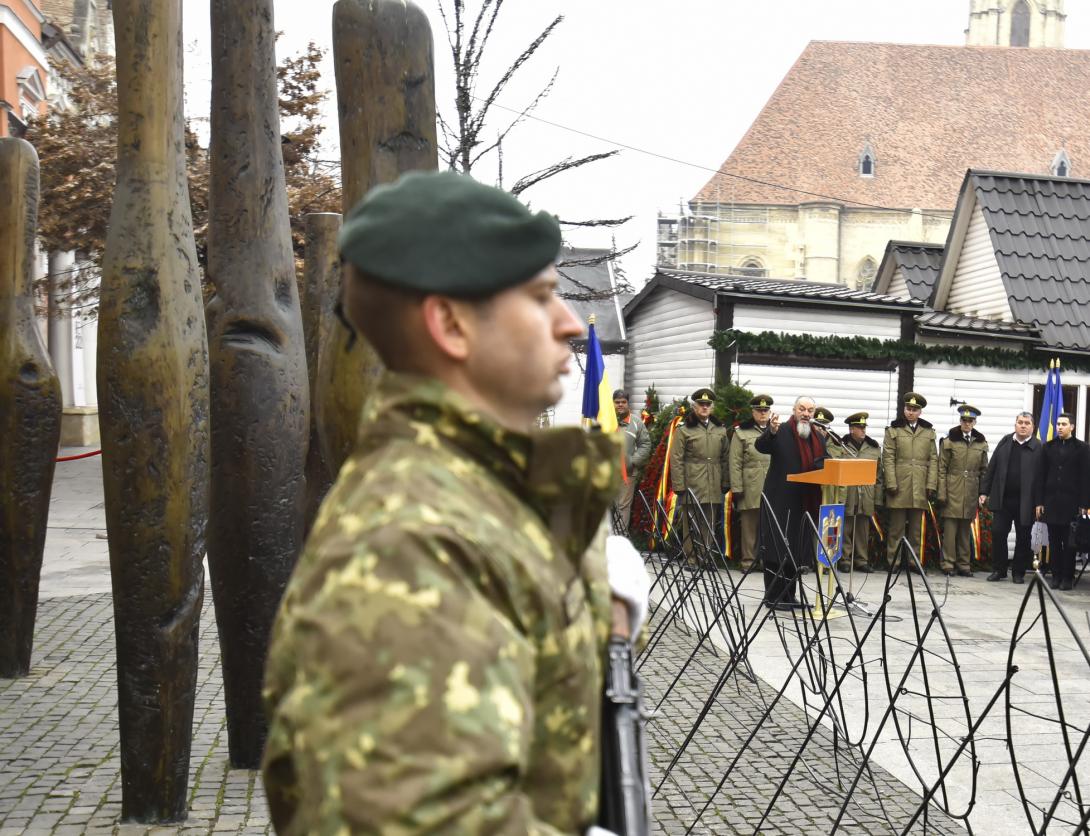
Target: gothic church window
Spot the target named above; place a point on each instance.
(1020, 24)
(1061, 164)
(753, 267)
(868, 269)
(866, 161)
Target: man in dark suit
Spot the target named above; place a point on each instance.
(1007, 490)
(1062, 493)
(794, 447)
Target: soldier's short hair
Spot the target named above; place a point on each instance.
(383, 320)
(1066, 415)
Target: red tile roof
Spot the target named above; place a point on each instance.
(928, 112)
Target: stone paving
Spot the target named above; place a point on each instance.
(59, 769)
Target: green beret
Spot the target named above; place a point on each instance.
(441, 232)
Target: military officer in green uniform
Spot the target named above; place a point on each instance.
(748, 469)
(910, 474)
(860, 501)
(963, 460)
(700, 462)
(834, 449)
(437, 661)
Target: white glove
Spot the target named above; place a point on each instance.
(628, 579)
(595, 830)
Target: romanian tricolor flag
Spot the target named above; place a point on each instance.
(597, 393)
(665, 493)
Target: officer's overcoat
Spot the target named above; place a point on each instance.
(910, 464)
(961, 466)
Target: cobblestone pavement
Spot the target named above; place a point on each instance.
(59, 751)
(59, 767)
(812, 796)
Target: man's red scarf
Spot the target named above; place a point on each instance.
(809, 452)
(809, 448)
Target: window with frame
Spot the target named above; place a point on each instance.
(1020, 24)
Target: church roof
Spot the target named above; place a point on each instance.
(58, 11)
(928, 112)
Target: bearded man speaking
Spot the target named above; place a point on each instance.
(793, 448)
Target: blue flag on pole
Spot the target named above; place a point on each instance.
(597, 394)
(1052, 404)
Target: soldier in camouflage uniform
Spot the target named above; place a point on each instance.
(437, 662)
(748, 469)
(963, 461)
(860, 501)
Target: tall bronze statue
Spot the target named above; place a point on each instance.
(321, 284)
(260, 393)
(382, 51)
(153, 408)
(30, 411)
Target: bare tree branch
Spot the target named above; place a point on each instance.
(567, 164)
(520, 117)
(610, 254)
(606, 222)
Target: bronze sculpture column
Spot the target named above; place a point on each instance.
(30, 411)
(321, 284)
(260, 394)
(382, 52)
(153, 402)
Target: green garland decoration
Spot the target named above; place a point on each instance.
(870, 348)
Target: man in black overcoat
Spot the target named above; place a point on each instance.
(1007, 490)
(1062, 493)
(794, 447)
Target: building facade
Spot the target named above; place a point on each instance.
(1018, 23)
(865, 143)
(23, 65)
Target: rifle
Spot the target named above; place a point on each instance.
(625, 792)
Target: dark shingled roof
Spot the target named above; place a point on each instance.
(920, 264)
(1040, 229)
(577, 280)
(707, 285)
(941, 321)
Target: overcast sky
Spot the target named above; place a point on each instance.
(681, 79)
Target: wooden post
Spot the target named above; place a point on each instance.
(321, 284)
(153, 402)
(382, 52)
(30, 411)
(260, 395)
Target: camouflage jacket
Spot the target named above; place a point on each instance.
(436, 664)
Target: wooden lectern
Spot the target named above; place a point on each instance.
(839, 473)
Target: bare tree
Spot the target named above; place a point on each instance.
(467, 137)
